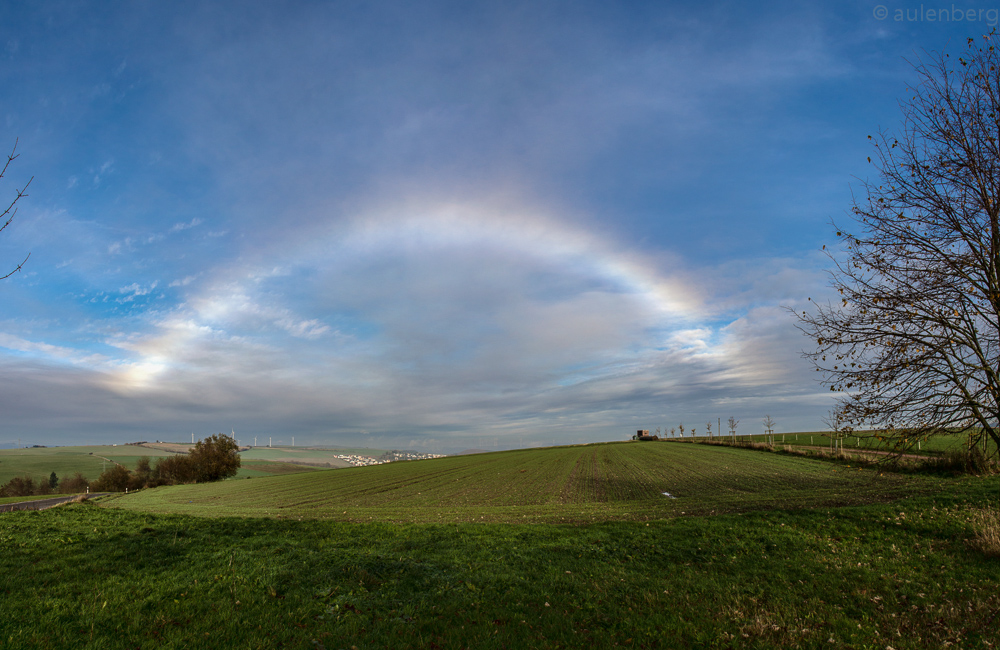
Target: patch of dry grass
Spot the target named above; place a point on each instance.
(986, 524)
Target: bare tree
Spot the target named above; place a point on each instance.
(733, 423)
(914, 341)
(769, 427)
(708, 428)
(7, 215)
(834, 420)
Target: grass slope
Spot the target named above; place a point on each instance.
(318, 457)
(613, 481)
(894, 575)
(257, 468)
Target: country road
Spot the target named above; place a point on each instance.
(42, 504)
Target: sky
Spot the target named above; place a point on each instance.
(432, 225)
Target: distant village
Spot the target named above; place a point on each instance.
(356, 460)
(391, 456)
(387, 457)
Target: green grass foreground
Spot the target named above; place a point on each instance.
(759, 550)
(898, 575)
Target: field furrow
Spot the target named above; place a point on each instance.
(571, 484)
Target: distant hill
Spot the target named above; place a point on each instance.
(471, 451)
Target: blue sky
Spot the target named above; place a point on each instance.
(432, 225)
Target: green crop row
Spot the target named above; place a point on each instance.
(580, 483)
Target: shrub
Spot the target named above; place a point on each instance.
(76, 483)
(114, 479)
(216, 457)
(173, 469)
(964, 461)
(143, 474)
(19, 486)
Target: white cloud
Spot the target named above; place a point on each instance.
(307, 329)
(458, 324)
(46, 350)
(421, 317)
(106, 168)
(177, 227)
(183, 282)
(134, 291)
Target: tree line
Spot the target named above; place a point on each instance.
(25, 486)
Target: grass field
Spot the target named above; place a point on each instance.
(758, 550)
(40, 462)
(935, 445)
(257, 468)
(563, 484)
(899, 575)
(300, 455)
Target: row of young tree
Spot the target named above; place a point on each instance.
(733, 423)
(212, 459)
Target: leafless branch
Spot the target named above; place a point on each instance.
(7, 216)
(914, 342)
